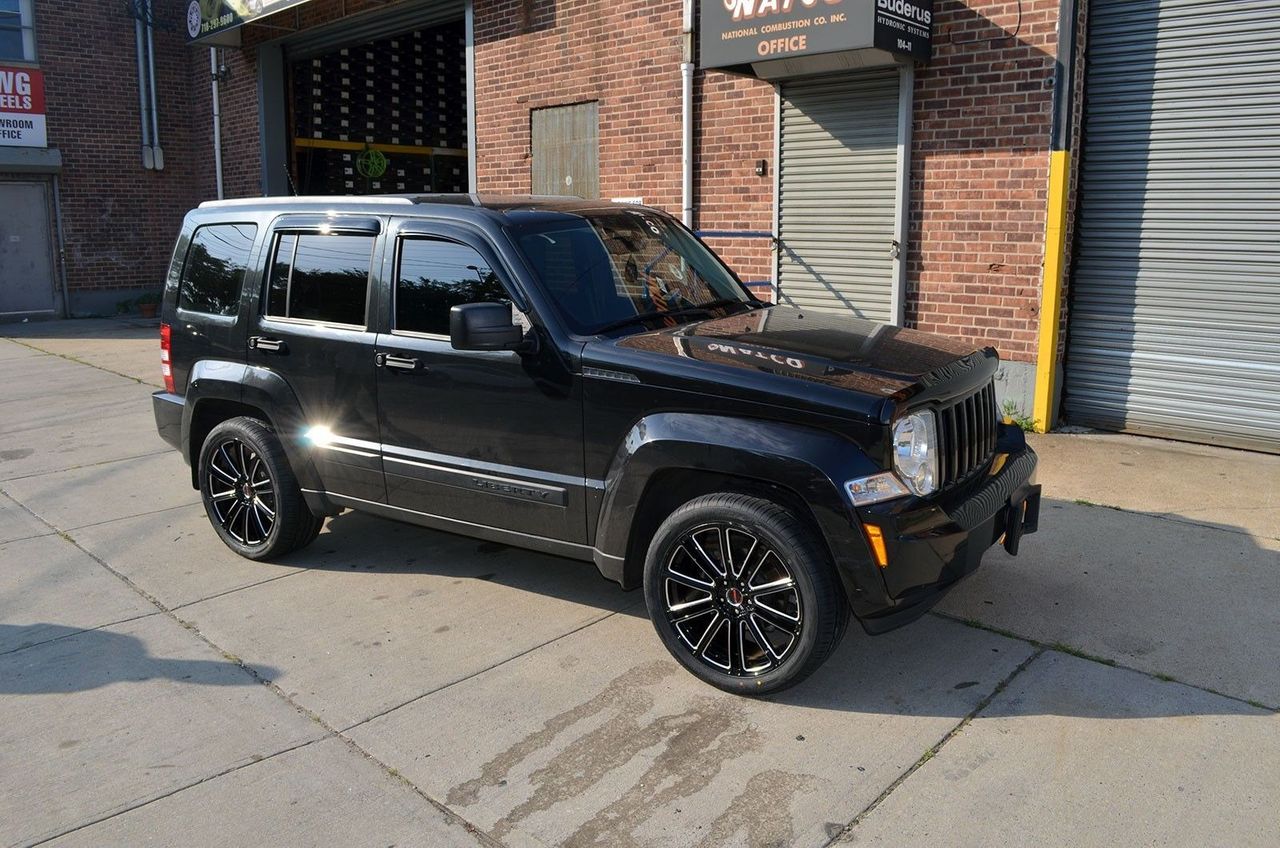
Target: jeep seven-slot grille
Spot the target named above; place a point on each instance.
(968, 435)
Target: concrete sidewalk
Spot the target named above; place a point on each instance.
(1115, 684)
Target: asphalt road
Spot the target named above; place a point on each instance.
(1115, 685)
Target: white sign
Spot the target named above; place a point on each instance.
(22, 120)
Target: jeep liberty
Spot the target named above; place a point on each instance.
(587, 380)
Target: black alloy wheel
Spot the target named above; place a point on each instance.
(732, 600)
(250, 493)
(244, 500)
(743, 594)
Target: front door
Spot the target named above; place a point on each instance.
(26, 254)
(312, 330)
(483, 438)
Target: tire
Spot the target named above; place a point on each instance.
(732, 624)
(250, 493)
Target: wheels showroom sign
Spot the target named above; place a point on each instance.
(22, 108)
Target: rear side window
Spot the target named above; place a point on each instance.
(215, 266)
(436, 276)
(323, 278)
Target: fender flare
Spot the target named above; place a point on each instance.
(262, 389)
(812, 464)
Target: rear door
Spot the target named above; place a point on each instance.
(492, 438)
(312, 328)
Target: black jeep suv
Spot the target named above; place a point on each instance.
(587, 380)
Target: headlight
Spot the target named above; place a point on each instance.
(915, 451)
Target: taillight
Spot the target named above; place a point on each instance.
(166, 361)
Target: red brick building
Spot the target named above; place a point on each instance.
(937, 191)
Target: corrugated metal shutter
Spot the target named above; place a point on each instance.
(837, 200)
(1175, 295)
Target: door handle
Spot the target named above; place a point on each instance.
(399, 363)
(268, 345)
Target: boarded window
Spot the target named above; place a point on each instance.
(214, 269)
(566, 150)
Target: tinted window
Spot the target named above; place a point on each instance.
(320, 278)
(215, 267)
(437, 275)
(604, 267)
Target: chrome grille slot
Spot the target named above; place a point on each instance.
(967, 435)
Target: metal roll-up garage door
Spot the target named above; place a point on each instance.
(1175, 293)
(837, 193)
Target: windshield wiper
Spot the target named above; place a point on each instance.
(654, 314)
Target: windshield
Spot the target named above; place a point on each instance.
(611, 268)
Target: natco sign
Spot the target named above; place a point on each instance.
(22, 122)
(750, 36)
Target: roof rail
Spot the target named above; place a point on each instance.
(308, 199)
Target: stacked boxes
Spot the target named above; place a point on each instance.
(408, 90)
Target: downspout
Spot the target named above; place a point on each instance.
(62, 246)
(1047, 391)
(151, 68)
(686, 109)
(148, 160)
(217, 120)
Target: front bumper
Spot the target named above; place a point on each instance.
(933, 544)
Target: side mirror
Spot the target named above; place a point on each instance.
(484, 326)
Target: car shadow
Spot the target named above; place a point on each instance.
(56, 659)
(899, 671)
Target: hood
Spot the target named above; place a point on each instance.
(830, 349)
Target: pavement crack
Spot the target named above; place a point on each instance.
(933, 751)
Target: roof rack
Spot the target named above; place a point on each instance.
(309, 199)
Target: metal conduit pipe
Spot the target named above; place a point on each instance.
(148, 160)
(686, 109)
(157, 151)
(217, 120)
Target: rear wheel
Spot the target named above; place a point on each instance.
(250, 493)
(742, 592)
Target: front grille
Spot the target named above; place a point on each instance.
(967, 436)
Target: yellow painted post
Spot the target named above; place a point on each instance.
(1051, 289)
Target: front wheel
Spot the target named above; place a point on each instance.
(250, 493)
(743, 593)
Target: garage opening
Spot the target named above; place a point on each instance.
(381, 115)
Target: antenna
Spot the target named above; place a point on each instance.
(293, 189)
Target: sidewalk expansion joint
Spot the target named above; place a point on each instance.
(79, 631)
(179, 789)
(330, 731)
(933, 751)
(485, 670)
(85, 465)
(1071, 650)
(78, 361)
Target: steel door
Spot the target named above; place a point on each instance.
(26, 250)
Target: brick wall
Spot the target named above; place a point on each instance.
(119, 219)
(979, 173)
